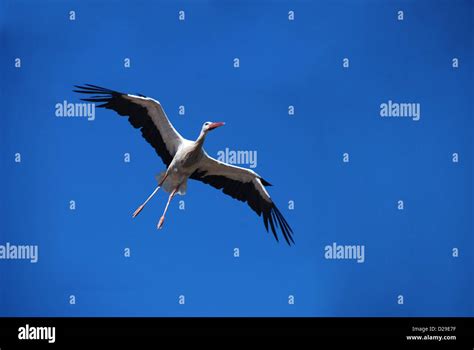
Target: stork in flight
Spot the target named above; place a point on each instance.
(186, 159)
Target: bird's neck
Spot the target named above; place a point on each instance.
(200, 140)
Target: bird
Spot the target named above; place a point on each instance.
(186, 159)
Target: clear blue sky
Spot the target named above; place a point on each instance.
(283, 63)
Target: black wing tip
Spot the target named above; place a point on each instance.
(265, 182)
(94, 89)
(101, 94)
(275, 217)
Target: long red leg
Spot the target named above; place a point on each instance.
(162, 219)
(140, 208)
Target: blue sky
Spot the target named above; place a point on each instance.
(407, 252)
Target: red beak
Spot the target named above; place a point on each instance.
(215, 125)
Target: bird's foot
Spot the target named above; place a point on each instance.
(139, 209)
(160, 223)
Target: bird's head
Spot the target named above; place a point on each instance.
(208, 126)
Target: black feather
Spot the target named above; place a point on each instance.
(247, 192)
(137, 115)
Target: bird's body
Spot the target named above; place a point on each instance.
(183, 165)
(186, 159)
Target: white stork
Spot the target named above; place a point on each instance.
(187, 159)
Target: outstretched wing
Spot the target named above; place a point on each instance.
(144, 113)
(246, 186)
